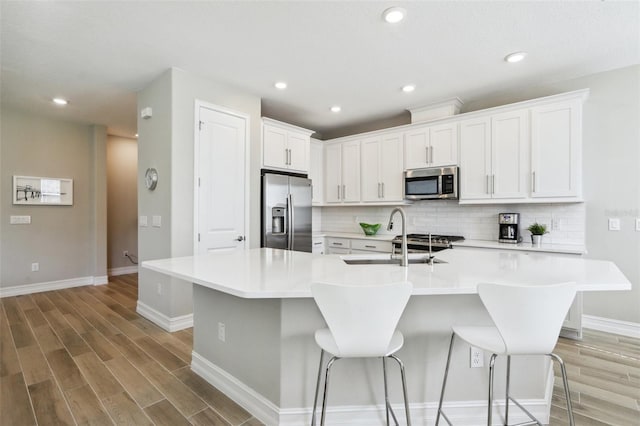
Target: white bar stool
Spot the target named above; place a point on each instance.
(362, 323)
(527, 321)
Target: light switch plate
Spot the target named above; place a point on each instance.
(156, 221)
(20, 220)
(637, 223)
(142, 221)
(614, 224)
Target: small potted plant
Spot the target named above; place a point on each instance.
(537, 231)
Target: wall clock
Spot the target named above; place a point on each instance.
(151, 178)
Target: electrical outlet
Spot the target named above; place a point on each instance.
(638, 224)
(614, 224)
(35, 267)
(476, 358)
(221, 332)
(125, 253)
(159, 289)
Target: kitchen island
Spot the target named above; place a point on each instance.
(254, 320)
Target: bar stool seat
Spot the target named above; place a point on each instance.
(361, 323)
(527, 321)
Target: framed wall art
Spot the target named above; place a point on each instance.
(42, 191)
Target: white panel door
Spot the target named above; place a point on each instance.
(443, 150)
(555, 148)
(370, 160)
(298, 146)
(510, 154)
(274, 142)
(221, 172)
(351, 172)
(475, 159)
(333, 173)
(416, 146)
(391, 167)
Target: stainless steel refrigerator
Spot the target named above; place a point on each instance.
(286, 212)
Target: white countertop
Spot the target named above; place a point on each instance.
(274, 273)
(354, 235)
(523, 246)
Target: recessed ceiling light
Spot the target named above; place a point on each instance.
(281, 85)
(515, 57)
(336, 108)
(393, 15)
(60, 101)
(408, 88)
(136, 135)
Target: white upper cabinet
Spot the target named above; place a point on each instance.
(556, 134)
(316, 165)
(494, 156)
(342, 172)
(382, 168)
(284, 146)
(431, 146)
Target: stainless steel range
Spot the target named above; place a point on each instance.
(419, 243)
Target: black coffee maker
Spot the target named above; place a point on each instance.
(509, 231)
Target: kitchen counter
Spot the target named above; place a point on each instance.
(355, 235)
(523, 246)
(254, 322)
(272, 273)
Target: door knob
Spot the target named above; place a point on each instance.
(240, 238)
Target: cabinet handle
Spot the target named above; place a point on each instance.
(487, 182)
(379, 190)
(338, 192)
(493, 184)
(344, 192)
(336, 244)
(382, 189)
(289, 156)
(426, 154)
(533, 182)
(317, 243)
(431, 154)
(370, 246)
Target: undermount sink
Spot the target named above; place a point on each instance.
(359, 260)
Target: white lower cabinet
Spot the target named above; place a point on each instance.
(338, 246)
(317, 245)
(371, 246)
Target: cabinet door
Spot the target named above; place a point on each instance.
(555, 150)
(333, 173)
(475, 159)
(298, 145)
(443, 150)
(416, 145)
(274, 146)
(351, 172)
(370, 179)
(316, 165)
(391, 171)
(510, 155)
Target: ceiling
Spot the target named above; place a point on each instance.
(99, 54)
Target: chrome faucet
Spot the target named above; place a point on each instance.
(404, 261)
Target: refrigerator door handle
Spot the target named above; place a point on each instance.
(290, 219)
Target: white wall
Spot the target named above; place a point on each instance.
(166, 141)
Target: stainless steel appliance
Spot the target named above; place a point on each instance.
(419, 243)
(433, 183)
(509, 231)
(286, 212)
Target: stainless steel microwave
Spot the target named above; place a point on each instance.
(433, 183)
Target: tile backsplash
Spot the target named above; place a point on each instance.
(565, 222)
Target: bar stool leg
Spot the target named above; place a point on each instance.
(444, 380)
(565, 381)
(404, 390)
(326, 389)
(315, 399)
(386, 392)
(506, 399)
(492, 363)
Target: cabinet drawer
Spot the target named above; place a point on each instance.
(338, 243)
(371, 245)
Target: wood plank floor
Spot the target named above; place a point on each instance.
(83, 356)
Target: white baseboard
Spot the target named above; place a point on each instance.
(623, 328)
(19, 290)
(463, 413)
(169, 324)
(101, 280)
(123, 270)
